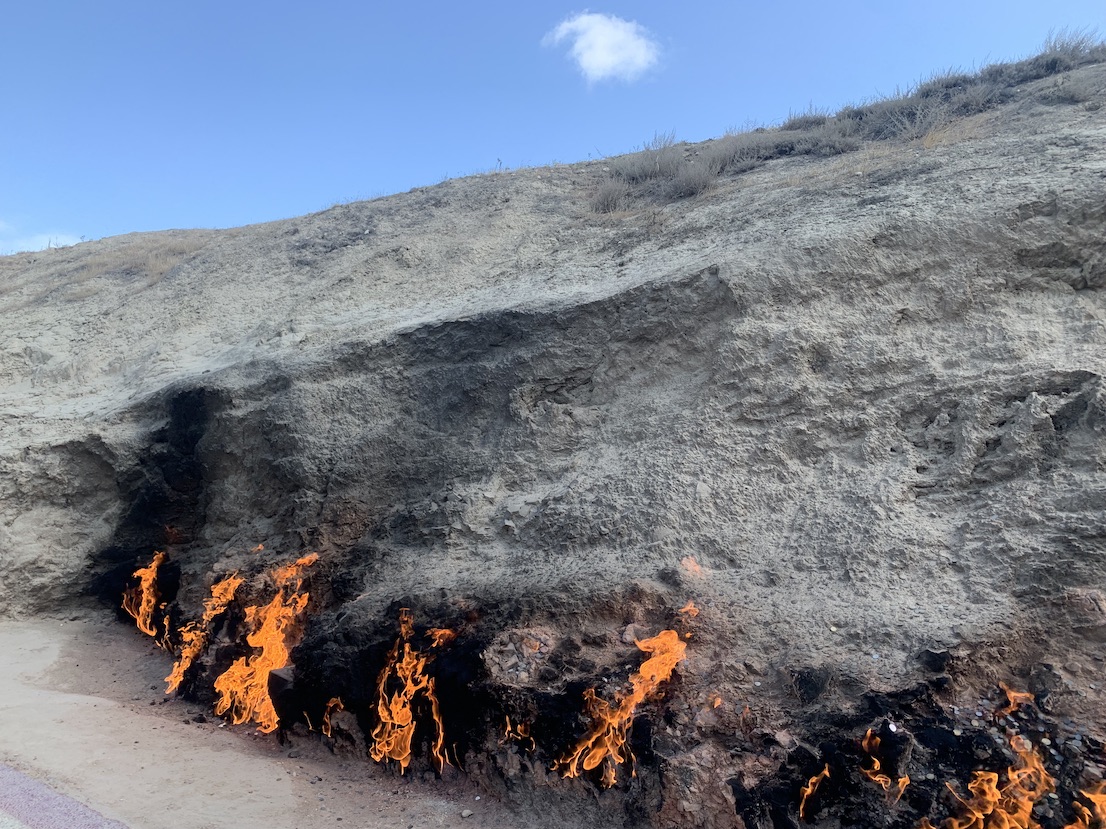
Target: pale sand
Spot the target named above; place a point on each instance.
(82, 709)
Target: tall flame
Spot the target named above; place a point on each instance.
(992, 807)
(195, 635)
(274, 629)
(810, 788)
(895, 790)
(606, 743)
(332, 707)
(401, 680)
(139, 601)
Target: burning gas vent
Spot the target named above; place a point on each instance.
(606, 744)
(915, 766)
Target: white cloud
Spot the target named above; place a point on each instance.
(606, 47)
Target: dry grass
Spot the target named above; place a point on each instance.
(657, 159)
(692, 179)
(149, 262)
(70, 274)
(810, 119)
(953, 132)
(613, 195)
(660, 172)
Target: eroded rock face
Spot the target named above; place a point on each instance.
(853, 409)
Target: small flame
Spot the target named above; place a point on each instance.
(810, 788)
(716, 701)
(1095, 816)
(274, 629)
(257, 549)
(196, 635)
(441, 636)
(1015, 699)
(332, 707)
(405, 671)
(139, 601)
(991, 807)
(747, 721)
(691, 565)
(605, 743)
(519, 732)
(165, 640)
(689, 609)
(894, 790)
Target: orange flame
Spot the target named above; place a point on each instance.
(1095, 816)
(810, 788)
(274, 629)
(332, 707)
(195, 635)
(441, 636)
(991, 807)
(605, 743)
(1015, 699)
(519, 732)
(870, 743)
(747, 722)
(690, 609)
(139, 601)
(165, 641)
(405, 671)
(716, 701)
(690, 564)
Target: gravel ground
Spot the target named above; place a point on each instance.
(27, 804)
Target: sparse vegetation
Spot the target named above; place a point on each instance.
(737, 152)
(692, 178)
(806, 120)
(611, 196)
(832, 138)
(664, 170)
(145, 262)
(141, 260)
(657, 159)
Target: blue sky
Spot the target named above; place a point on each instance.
(123, 115)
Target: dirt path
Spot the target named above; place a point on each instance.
(82, 709)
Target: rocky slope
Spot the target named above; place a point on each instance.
(852, 407)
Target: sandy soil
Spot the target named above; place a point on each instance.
(82, 709)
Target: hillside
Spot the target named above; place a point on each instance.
(849, 402)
